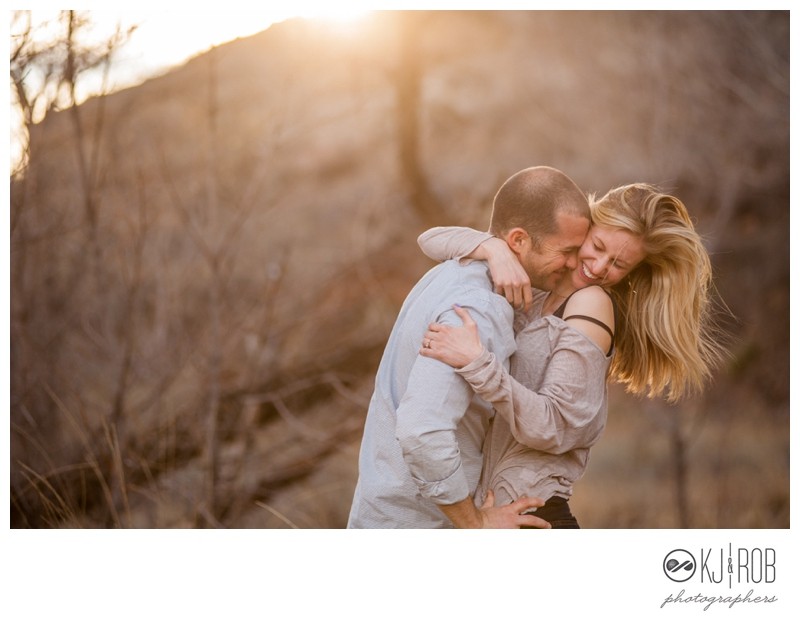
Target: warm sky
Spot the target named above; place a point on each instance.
(168, 37)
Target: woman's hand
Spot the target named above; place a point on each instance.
(510, 279)
(455, 346)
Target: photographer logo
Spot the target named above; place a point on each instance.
(723, 576)
(679, 565)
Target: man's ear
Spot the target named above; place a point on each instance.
(516, 239)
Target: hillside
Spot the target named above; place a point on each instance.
(196, 321)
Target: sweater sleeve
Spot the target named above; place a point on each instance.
(450, 242)
(568, 408)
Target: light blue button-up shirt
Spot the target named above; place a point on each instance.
(425, 426)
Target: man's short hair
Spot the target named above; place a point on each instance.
(531, 198)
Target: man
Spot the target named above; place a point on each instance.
(420, 457)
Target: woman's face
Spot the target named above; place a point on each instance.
(606, 256)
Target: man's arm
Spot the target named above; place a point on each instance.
(434, 403)
(432, 406)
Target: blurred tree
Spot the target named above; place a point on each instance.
(215, 223)
(407, 77)
(48, 62)
(746, 77)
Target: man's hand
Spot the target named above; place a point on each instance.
(511, 516)
(465, 515)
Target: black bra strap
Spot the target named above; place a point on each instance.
(594, 320)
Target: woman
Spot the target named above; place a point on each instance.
(637, 309)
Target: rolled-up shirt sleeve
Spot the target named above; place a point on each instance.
(434, 404)
(566, 410)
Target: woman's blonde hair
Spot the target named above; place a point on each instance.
(666, 342)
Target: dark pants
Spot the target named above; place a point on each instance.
(556, 511)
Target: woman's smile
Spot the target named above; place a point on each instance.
(587, 273)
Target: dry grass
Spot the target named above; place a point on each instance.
(279, 472)
(737, 470)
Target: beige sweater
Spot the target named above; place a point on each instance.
(550, 406)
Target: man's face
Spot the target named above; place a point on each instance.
(557, 254)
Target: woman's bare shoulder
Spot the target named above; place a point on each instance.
(590, 299)
(595, 304)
